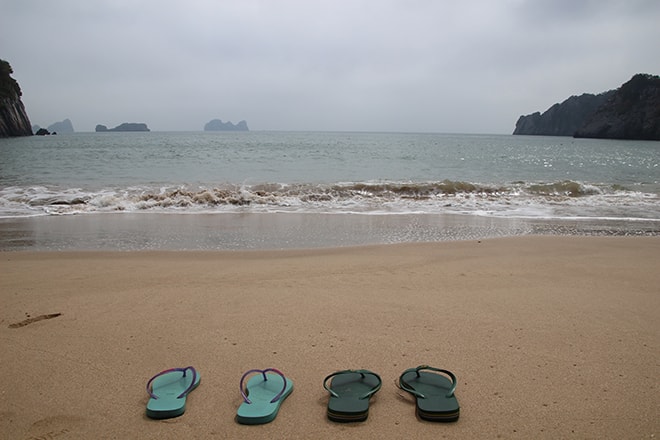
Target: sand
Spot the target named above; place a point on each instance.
(264, 231)
(549, 337)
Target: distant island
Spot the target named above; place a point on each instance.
(126, 126)
(630, 112)
(14, 120)
(64, 126)
(218, 125)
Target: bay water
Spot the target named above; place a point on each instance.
(476, 177)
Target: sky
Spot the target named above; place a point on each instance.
(470, 66)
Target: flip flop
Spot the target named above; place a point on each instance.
(350, 391)
(168, 390)
(434, 393)
(266, 393)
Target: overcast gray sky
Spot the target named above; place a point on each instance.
(469, 66)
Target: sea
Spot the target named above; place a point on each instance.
(278, 189)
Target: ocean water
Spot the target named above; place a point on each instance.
(380, 174)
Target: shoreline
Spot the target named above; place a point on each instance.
(549, 337)
(236, 231)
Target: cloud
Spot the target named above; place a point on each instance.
(398, 65)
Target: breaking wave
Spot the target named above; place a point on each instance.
(519, 199)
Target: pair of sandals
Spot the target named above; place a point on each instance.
(350, 391)
(266, 389)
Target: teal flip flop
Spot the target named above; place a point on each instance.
(168, 390)
(262, 396)
(350, 391)
(434, 393)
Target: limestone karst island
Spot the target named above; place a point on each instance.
(126, 126)
(218, 125)
(630, 112)
(14, 120)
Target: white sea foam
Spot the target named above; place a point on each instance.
(366, 173)
(554, 200)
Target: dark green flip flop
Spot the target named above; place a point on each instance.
(350, 391)
(436, 401)
(168, 390)
(262, 396)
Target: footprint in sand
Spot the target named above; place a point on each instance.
(56, 427)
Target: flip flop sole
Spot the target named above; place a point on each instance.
(167, 388)
(350, 407)
(438, 417)
(436, 406)
(261, 392)
(347, 418)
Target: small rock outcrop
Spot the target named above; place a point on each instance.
(126, 126)
(14, 120)
(42, 132)
(218, 125)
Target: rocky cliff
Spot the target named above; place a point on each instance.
(630, 112)
(633, 112)
(218, 125)
(14, 120)
(562, 119)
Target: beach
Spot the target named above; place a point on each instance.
(548, 336)
(271, 231)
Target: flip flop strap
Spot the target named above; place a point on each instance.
(362, 373)
(263, 372)
(406, 387)
(171, 370)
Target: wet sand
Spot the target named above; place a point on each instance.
(231, 231)
(549, 337)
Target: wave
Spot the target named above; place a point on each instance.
(564, 199)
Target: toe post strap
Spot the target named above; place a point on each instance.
(173, 370)
(363, 373)
(406, 387)
(265, 377)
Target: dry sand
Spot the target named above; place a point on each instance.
(550, 337)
